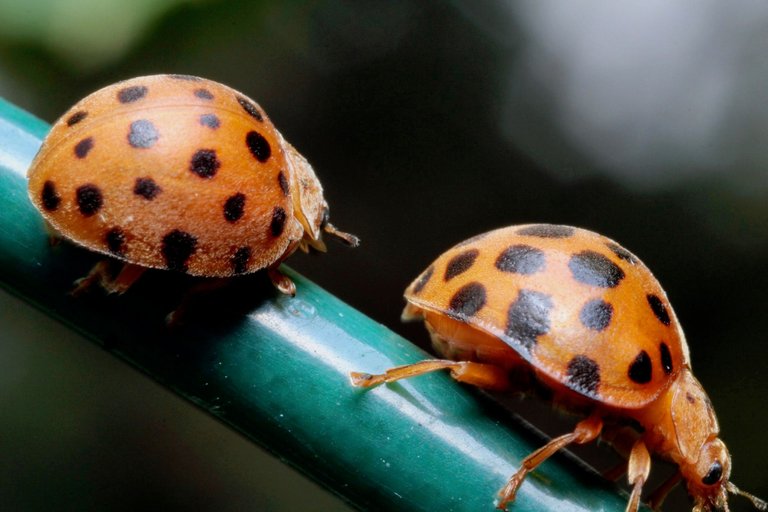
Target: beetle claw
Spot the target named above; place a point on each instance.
(283, 283)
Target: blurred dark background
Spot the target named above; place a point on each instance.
(427, 122)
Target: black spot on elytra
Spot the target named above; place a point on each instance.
(460, 264)
(666, 358)
(592, 268)
(690, 398)
(521, 259)
(278, 221)
(547, 231)
(84, 147)
(142, 134)
(210, 120)
(203, 94)
(89, 199)
(714, 474)
(146, 188)
(177, 247)
(583, 374)
(204, 163)
(241, 259)
(249, 107)
(596, 314)
(190, 78)
(659, 309)
(528, 317)
(641, 369)
(622, 252)
(258, 146)
(423, 279)
(132, 93)
(467, 301)
(76, 117)
(285, 187)
(115, 239)
(49, 196)
(234, 207)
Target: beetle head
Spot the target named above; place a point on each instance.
(705, 462)
(707, 477)
(309, 205)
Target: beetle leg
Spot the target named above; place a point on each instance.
(101, 275)
(622, 439)
(484, 376)
(282, 282)
(128, 275)
(585, 431)
(637, 473)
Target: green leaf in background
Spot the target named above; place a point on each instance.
(86, 34)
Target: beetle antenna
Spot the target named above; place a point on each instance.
(757, 502)
(350, 240)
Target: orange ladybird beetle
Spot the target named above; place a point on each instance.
(571, 312)
(181, 173)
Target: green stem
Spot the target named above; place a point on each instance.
(276, 369)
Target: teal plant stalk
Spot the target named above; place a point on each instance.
(276, 369)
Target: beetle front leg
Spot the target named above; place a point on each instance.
(638, 469)
(283, 283)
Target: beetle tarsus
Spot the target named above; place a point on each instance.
(363, 380)
(102, 275)
(283, 283)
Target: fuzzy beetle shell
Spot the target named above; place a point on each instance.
(577, 306)
(176, 172)
(572, 316)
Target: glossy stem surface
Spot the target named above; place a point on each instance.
(277, 369)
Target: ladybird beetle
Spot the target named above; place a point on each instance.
(574, 315)
(182, 173)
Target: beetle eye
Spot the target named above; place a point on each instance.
(326, 218)
(714, 474)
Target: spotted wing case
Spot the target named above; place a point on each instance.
(577, 306)
(169, 171)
